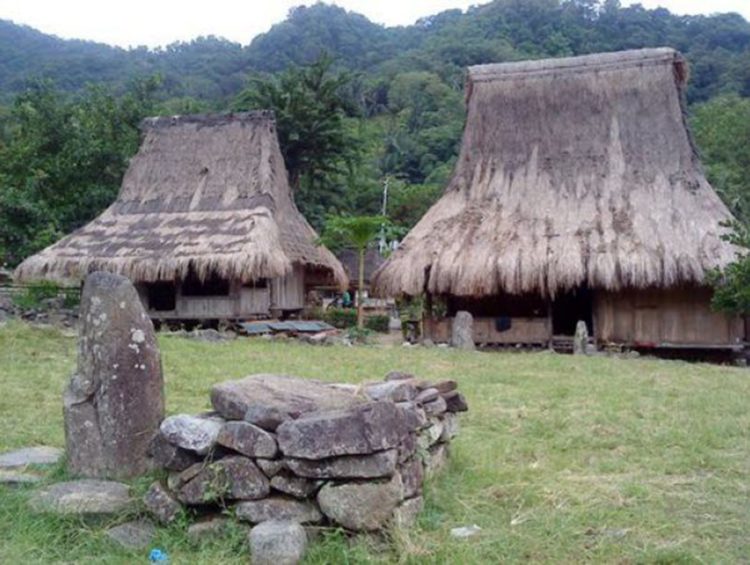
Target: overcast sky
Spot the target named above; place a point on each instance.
(160, 22)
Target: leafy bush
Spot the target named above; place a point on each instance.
(341, 318)
(377, 323)
(33, 295)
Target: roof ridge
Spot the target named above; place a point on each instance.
(211, 119)
(581, 63)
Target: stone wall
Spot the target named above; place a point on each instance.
(283, 448)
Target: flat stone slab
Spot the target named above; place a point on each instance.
(18, 478)
(191, 432)
(39, 455)
(360, 430)
(278, 508)
(137, 534)
(248, 439)
(381, 464)
(86, 497)
(276, 398)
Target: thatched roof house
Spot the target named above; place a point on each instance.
(350, 260)
(205, 199)
(574, 174)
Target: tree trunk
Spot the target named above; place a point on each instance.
(360, 285)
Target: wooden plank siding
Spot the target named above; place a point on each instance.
(522, 330)
(664, 317)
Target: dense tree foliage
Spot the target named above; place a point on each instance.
(383, 114)
(61, 161)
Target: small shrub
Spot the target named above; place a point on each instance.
(341, 318)
(33, 295)
(378, 323)
(356, 335)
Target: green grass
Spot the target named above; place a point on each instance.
(560, 459)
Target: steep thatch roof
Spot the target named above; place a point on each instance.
(350, 260)
(208, 193)
(572, 171)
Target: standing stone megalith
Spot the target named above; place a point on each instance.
(462, 331)
(115, 400)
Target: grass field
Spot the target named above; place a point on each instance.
(560, 459)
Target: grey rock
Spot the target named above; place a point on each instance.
(415, 415)
(234, 477)
(290, 397)
(581, 338)
(277, 542)
(265, 417)
(445, 386)
(395, 391)
(450, 427)
(248, 439)
(137, 534)
(455, 402)
(427, 395)
(161, 504)
(361, 506)
(40, 455)
(363, 429)
(177, 480)
(278, 508)
(270, 467)
(170, 457)
(436, 407)
(398, 376)
(297, 487)
(115, 400)
(381, 464)
(408, 447)
(18, 478)
(191, 432)
(85, 497)
(407, 512)
(430, 435)
(462, 331)
(412, 477)
(435, 459)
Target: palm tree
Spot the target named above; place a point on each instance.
(356, 232)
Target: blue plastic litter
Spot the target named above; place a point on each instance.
(158, 556)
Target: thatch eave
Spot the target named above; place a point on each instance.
(575, 171)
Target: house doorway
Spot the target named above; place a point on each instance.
(568, 308)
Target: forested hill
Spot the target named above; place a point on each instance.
(386, 108)
(213, 69)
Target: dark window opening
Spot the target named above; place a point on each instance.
(259, 283)
(161, 296)
(500, 306)
(213, 285)
(569, 308)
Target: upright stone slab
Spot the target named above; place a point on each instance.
(581, 338)
(462, 331)
(115, 400)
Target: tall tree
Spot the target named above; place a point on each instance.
(355, 232)
(310, 104)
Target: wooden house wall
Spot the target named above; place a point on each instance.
(522, 330)
(664, 317)
(288, 293)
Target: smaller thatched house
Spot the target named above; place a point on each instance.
(350, 260)
(577, 195)
(204, 224)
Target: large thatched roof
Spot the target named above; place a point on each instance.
(208, 193)
(572, 171)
